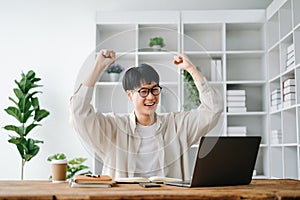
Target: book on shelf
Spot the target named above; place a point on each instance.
(236, 98)
(289, 89)
(289, 96)
(236, 103)
(289, 82)
(290, 48)
(153, 179)
(216, 70)
(102, 181)
(236, 109)
(236, 92)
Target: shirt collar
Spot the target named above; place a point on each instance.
(133, 122)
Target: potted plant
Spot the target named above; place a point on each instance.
(114, 71)
(74, 166)
(157, 43)
(26, 110)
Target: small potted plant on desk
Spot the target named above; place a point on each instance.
(157, 43)
(73, 167)
(114, 71)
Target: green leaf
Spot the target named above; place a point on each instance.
(58, 156)
(29, 128)
(13, 101)
(15, 112)
(35, 103)
(21, 150)
(15, 140)
(77, 161)
(19, 94)
(26, 116)
(17, 129)
(40, 114)
(30, 75)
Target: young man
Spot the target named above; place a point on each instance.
(144, 143)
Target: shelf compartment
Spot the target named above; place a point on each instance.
(256, 125)
(297, 45)
(274, 62)
(245, 67)
(261, 165)
(284, 44)
(112, 37)
(276, 162)
(246, 36)
(285, 19)
(290, 162)
(169, 33)
(296, 14)
(202, 37)
(273, 30)
(203, 62)
(275, 126)
(255, 96)
(289, 126)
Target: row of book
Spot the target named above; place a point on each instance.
(216, 70)
(236, 101)
(276, 136)
(289, 92)
(288, 96)
(290, 56)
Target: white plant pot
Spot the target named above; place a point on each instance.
(156, 48)
(114, 77)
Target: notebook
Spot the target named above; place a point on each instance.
(223, 161)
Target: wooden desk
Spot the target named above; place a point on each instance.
(258, 189)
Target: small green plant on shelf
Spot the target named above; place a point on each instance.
(191, 90)
(157, 42)
(26, 110)
(115, 68)
(74, 166)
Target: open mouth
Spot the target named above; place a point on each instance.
(149, 104)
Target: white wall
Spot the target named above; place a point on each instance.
(53, 38)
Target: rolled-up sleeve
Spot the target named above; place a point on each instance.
(198, 122)
(93, 127)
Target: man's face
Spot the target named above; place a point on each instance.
(145, 103)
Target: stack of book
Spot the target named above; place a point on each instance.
(276, 136)
(290, 57)
(275, 100)
(236, 130)
(289, 92)
(216, 70)
(236, 101)
(102, 181)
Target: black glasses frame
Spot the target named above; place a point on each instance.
(148, 90)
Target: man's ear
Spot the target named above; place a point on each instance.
(129, 95)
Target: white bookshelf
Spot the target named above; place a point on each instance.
(252, 53)
(283, 22)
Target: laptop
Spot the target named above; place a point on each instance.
(223, 161)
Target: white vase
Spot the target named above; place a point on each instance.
(156, 47)
(114, 77)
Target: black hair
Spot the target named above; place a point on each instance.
(143, 73)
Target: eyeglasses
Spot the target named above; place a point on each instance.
(145, 91)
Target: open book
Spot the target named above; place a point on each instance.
(154, 179)
(92, 181)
